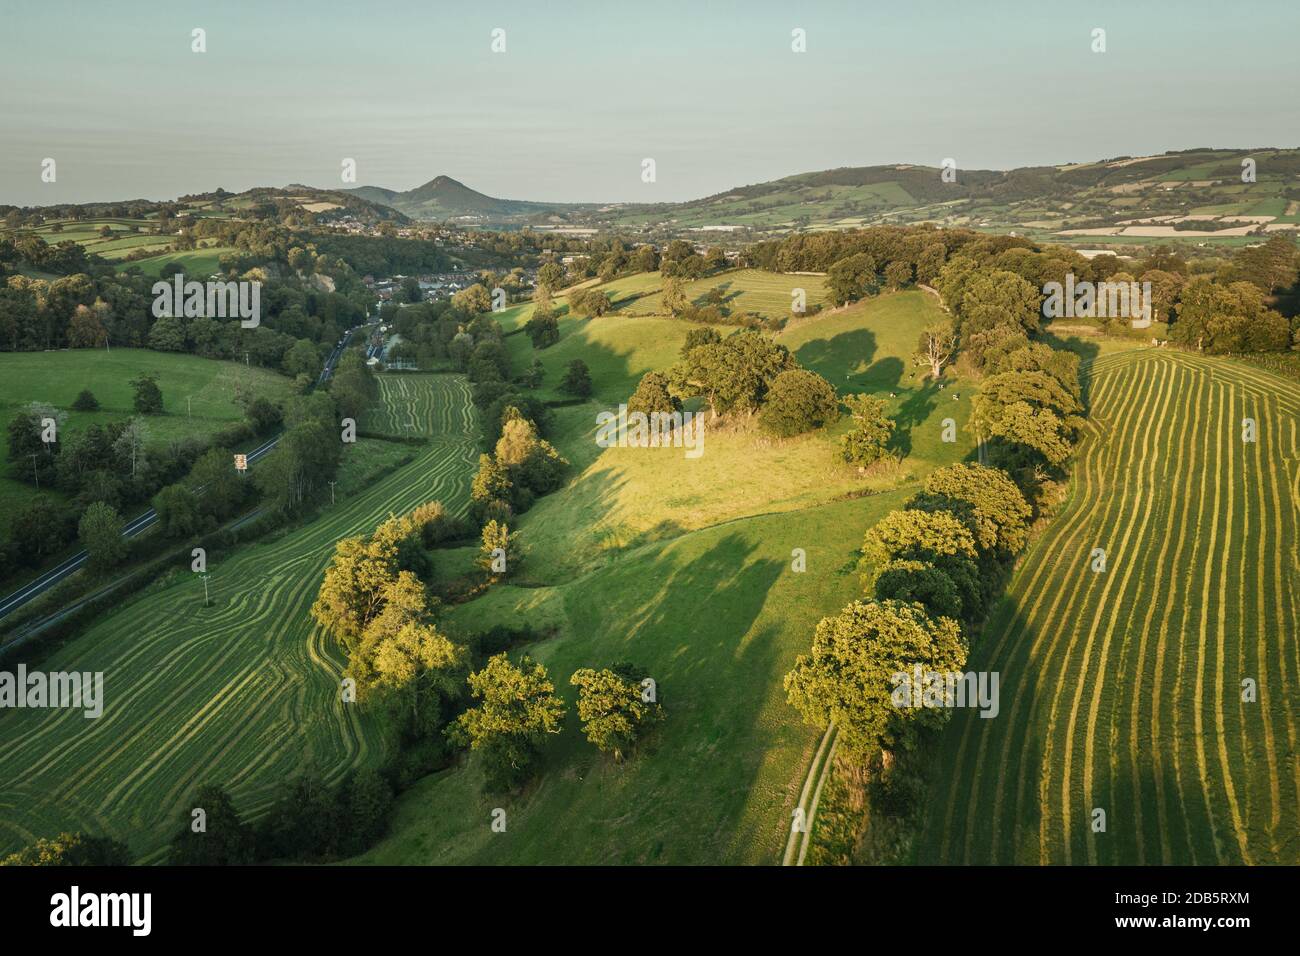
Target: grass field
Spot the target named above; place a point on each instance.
(767, 294)
(618, 350)
(57, 377)
(408, 407)
(1122, 690)
(123, 241)
(718, 617)
(627, 497)
(683, 566)
(196, 262)
(243, 693)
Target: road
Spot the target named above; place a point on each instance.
(144, 521)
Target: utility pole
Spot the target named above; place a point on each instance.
(189, 409)
(332, 492)
(206, 601)
(246, 365)
(36, 472)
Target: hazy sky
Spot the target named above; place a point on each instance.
(585, 91)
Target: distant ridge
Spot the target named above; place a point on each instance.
(1102, 198)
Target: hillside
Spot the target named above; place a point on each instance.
(199, 397)
(1125, 691)
(1110, 198)
(684, 567)
(244, 691)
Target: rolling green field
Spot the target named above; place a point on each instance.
(123, 241)
(196, 262)
(683, 566)
(1123, 690)
(243, 693)
(626, 497)
(718, 617)
(767, 294)
(56, 378)
(617, 350)
(86, 233)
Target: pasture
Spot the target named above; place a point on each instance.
(199, 396)
(242, 693)
(1126, 690)
(767, 294)
(683, 566)
(196, 263)
(627, 497)
(718, 617)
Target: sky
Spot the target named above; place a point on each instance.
(712, 91)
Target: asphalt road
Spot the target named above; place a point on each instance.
(144, 521)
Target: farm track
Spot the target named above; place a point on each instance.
(242, 693)
(1122, 690)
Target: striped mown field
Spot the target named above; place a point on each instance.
(1123, 690)
(243, 693)
(410, 405)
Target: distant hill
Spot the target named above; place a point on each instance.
(1193, 193)
(445, 198)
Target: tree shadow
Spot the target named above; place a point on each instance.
(839, 358)
(687, 613)
(884, 375)
(728, 295)
(914, 410)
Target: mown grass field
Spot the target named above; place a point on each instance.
(243, 693)
(409, 406)
(57, 378)
(1123, 690)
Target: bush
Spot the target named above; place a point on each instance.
(86, 401)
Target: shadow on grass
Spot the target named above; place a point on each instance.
(836, 358)
(914, 410)
(687, 614)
